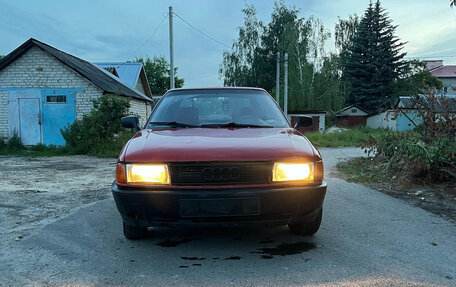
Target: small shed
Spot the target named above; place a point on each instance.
(394, 120)
(351, 116)
(318, 117)
(43, 89)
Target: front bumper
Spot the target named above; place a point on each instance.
(257, 206)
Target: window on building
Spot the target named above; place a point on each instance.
(56, 99)
(445, 90)
(354, 111)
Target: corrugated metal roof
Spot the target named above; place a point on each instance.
(99, 77)
(438, 106)
(128, 72)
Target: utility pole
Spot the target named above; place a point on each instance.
(285, 84)
(278, 79)
(171, 49)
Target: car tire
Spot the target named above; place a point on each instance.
(307, 228)
(133, 232)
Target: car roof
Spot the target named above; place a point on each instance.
(218, 88)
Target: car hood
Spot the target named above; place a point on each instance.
(218, 144)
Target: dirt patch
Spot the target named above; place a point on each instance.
(37, 191)
(439, 199)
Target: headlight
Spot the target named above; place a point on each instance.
(147, 173)
(293, 172)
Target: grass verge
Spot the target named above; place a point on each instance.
(349, 137)
(362, 170)
(103, 149)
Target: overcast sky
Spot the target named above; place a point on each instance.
(102, 30)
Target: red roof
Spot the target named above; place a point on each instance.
(446, 71)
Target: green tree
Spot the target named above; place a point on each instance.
(374, 61)
(157, 72)
(344, 33)
(252, 59)
(238, 64)
(417, 79)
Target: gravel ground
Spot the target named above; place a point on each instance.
(38, 191)
(60, 227)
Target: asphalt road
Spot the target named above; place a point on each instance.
(366, 239)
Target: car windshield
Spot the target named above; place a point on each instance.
(217, 108)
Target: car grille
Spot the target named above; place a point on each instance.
(221, 173)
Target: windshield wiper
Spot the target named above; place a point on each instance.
(172, 124)
(234, 125)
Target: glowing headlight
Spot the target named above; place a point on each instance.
(148, 173)
(293, 172)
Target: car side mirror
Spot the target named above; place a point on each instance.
(130, 122)
(303, 122)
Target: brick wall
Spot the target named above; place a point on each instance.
(139, 108)
(37, 69)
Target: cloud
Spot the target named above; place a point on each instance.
(111, 31)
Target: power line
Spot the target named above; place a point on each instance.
(203, 76)
(208, 36)
(429, 57)
(150, 38)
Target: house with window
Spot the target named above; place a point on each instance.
(43, 89)
(445, 73)
(351, 116)
(130, 73)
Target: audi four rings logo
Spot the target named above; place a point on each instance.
(221, 173)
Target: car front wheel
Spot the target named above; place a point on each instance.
(307, 228)
(133, 231)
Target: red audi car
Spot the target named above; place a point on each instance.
(218, 156)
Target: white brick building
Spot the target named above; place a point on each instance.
(43, 89)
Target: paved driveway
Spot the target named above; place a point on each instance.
(366, 239)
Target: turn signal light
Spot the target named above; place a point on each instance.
(319, 171)
(121, 173)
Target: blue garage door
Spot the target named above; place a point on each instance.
(59, 110)
(29, 121)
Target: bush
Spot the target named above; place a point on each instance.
(412, 155)
(15, 143)
(101, 130)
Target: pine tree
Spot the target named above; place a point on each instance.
(374, 61)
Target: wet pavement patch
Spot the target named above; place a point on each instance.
(233, 258)
(196, 264)
(174, 243)
(267, 256)
(183, 266)
(286, 249)
(193, 258)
